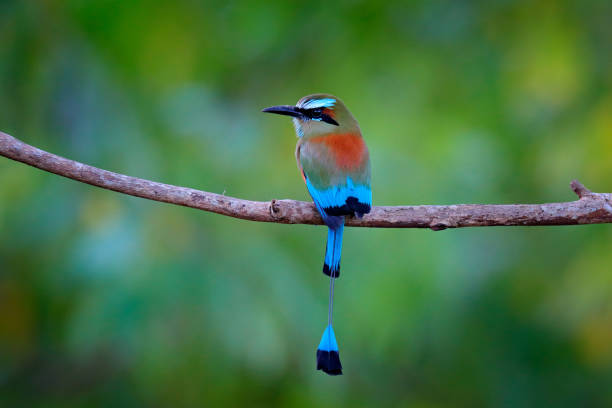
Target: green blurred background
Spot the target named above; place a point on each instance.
(110, 300)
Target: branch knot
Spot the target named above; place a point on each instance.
(275, 211)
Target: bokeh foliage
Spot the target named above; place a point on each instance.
(109, 300)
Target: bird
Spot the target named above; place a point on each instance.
(334, 162)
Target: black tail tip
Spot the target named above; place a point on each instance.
(329, 362)
(334, 273)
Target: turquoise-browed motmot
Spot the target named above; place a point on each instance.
(335, 165)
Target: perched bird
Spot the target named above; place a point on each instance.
(335, 165)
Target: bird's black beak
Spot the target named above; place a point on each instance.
(287, 110)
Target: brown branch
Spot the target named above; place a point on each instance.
(591, 208)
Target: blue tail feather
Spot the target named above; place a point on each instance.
(328, 340)
(333, 251)
(328, 358)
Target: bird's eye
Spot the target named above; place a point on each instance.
(316, 113)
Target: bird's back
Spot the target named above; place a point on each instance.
(336, 167)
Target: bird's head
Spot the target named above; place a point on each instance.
(318, 114)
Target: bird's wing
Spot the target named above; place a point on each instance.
(337, 174)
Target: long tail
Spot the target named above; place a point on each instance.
(328, 357)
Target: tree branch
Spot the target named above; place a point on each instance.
(591, 208)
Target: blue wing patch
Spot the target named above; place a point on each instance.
(341, 200)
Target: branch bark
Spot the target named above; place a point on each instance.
(591, 208)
